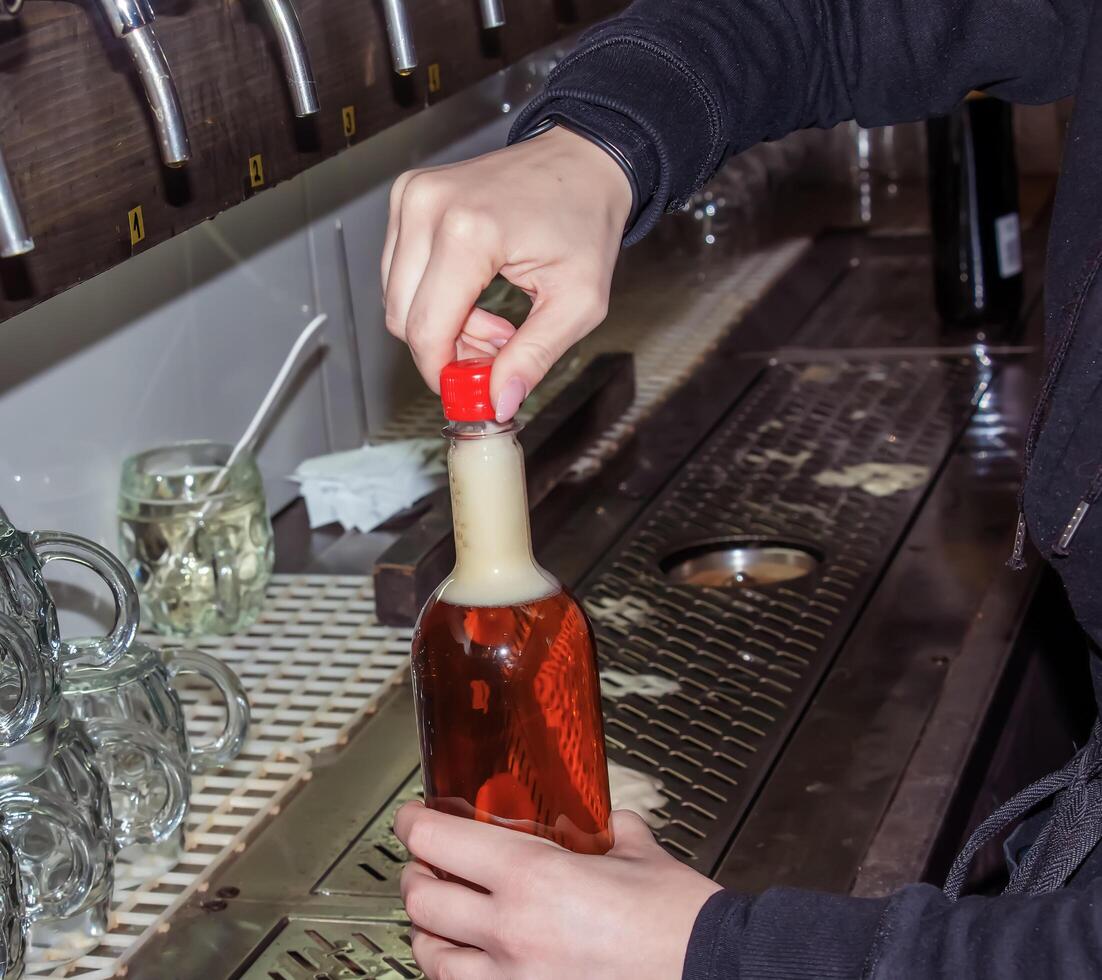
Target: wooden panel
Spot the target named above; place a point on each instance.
(76, 130)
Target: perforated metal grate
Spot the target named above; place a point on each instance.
(313, 666)
(748, 660)
(373, 864)
(326, 949)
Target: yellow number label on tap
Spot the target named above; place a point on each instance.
(434, 77)
(348, 118)
(136, 221)
(256, 171)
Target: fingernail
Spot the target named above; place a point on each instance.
(499, 342)
(510, 398)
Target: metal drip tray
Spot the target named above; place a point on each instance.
(747, 659)
(739, 565)
(334, 949)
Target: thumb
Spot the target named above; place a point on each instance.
(553, 327)
(630, 833)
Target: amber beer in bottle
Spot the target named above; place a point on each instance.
(504, 671)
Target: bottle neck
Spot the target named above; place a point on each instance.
(494, 565)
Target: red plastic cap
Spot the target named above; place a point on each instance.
(465, 390)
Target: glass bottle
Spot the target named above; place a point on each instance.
(974, 217)
(503, 661)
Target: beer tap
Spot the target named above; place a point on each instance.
(132, 22)
(14, 238)
(493, 13)
(402, 51)
(296, 59)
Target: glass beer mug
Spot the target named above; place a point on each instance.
(197, 538)
(13, 915)
(150, 787)
(24, 596)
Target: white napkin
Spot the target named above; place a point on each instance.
(361, 488)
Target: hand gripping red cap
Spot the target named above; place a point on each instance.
(465, 390)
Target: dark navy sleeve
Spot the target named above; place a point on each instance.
(787, 934)
(680, 84)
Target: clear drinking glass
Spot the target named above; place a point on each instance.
(138, 693)
(28, 680)
(60, 828)
(196, 537)
(66, 835)
(139, 689)
(24, 596)
(13, 915)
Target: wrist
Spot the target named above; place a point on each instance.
(612, 169)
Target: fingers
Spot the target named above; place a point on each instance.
(394, 222)
(477, 852)
(485, 326)
(484, 334)
(445, 908)
(441, 960)
(461, 264)
(558, 321)
(630, 833)
(412, 249)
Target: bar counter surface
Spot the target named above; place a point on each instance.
(839, 732)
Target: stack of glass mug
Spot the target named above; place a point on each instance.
(95, 760)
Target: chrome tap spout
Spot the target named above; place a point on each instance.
(132, 22)
(402, 51)
(296, 58)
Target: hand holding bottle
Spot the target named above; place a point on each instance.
(547, 214)
(545, 913)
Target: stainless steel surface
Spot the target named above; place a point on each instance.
(748, 661)
(755, 433)
(373, 862)
(14, 237)
(920, 668)
(160, 89)
(493, 13)
(309, 949)
(125, 16)
(296, 57)
(282, 873)
(402, 50)
(905, 841)
(744, 565)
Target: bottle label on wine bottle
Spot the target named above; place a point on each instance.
(1008, 238)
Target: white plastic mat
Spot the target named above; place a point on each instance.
(313, 665)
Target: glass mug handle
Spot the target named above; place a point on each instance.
(26, 803)
(34, 684)
(226, 585)
(226, 747)
(103, 652)
(108, 735)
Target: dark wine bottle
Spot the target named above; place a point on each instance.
(975, 225)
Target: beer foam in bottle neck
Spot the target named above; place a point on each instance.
(494, 565)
